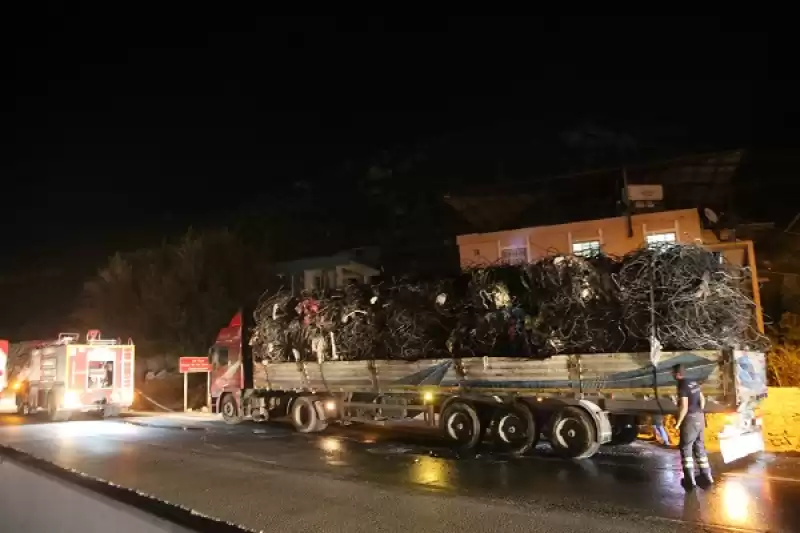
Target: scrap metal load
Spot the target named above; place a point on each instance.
(684, 295)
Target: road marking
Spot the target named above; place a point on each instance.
(706, 526)
(760, 476)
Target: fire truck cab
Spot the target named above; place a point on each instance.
(64, 377)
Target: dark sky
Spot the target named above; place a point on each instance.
(124, 129)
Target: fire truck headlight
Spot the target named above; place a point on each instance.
(72, 400)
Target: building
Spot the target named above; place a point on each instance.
(613, 236)
(330, 272)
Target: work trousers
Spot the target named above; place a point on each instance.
(693, 447)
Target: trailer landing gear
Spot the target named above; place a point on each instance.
(625, 430)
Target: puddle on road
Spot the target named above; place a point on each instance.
(390, 450)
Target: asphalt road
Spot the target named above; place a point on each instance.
(267, 477)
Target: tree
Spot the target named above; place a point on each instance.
(783, 360)
(172, 299)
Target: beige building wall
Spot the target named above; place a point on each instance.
(611, 233)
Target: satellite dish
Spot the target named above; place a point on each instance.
(711, 215)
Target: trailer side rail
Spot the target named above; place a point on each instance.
(619, 379)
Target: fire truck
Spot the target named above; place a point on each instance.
(66, 376)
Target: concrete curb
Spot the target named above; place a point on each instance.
(144, 424)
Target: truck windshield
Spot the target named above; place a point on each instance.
(219, 355)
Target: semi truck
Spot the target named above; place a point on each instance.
(577, 402)
(65, 376)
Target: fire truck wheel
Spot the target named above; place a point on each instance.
(229, 409)
(54, 414)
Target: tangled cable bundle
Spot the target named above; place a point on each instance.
(697, 301)
(573, 305)
(684, 295)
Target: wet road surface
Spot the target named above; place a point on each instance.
(371, 480)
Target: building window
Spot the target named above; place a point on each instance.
(586, 248)
(514, 256)
(661, 239)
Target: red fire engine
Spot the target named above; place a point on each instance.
(65, 376)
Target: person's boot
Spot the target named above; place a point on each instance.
(705, 479)
(687, 481)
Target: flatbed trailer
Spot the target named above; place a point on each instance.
(577, 402)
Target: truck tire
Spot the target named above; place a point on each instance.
(461, 424)
(514, 429)
(573, 433)
(54, 414)
(305, 415)
(23, 408)
(229, 409)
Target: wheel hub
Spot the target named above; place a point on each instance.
(459, 428)
(512, 428)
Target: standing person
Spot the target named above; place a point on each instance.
(691, 424)
(659, 430)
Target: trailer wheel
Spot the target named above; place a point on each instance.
(305, 415)
(229, 409)
(514, 429)
(460, 423)
(573, 433)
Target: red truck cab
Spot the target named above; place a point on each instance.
(229, 370)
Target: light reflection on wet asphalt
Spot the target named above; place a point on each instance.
(761, 494)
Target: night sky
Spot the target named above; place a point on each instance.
(125, 131)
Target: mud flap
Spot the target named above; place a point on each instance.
(734, 447)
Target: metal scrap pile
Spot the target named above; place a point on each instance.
(692, 299)
(559, 304)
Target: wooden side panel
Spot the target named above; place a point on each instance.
(620, 376)
(632, 374)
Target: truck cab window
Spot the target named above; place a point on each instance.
(219, 356)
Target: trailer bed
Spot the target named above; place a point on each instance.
(618, 381)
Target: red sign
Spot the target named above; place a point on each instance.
(194, 364)
(3, 361)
